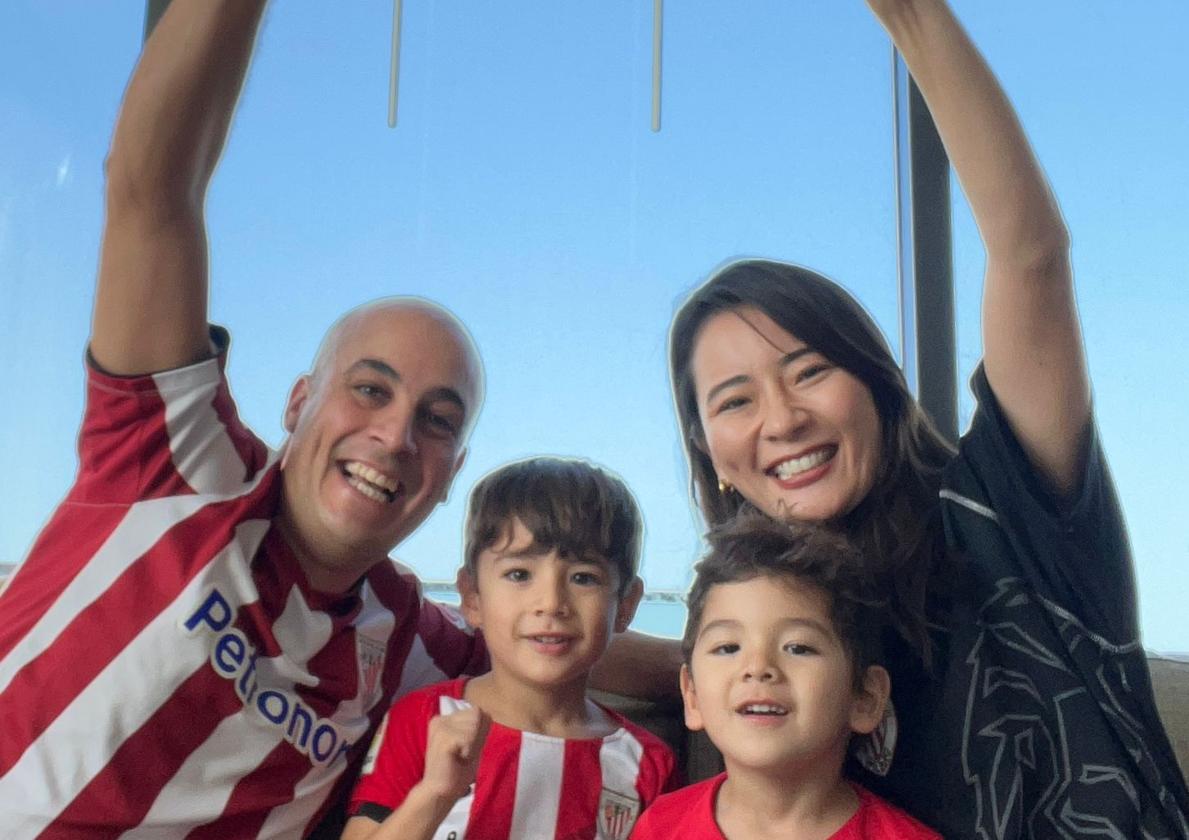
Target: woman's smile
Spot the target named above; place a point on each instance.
(790, 431)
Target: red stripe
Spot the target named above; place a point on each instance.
(268, 786)
(47, 685)
(124, 451)
(121, 795)
(62, 550)
(581, 787)
(491, 814)
(251, 449)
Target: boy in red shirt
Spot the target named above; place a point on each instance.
(781, 646)
(552, 548)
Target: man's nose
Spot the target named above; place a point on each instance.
(396, 429)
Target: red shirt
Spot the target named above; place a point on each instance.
(688, 814)
(528, 785)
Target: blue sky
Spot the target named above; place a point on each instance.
(524, 190)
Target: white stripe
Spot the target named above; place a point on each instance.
(419, 669)
(619, 760)
(460, 813)
(141, 528)
(539, 772)
(201, 448)
(969, 504)
(148, 670)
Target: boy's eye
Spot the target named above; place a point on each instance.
(798, 649)
(587, 578)
(724, 649)
(517, 575)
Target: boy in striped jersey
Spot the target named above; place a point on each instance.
(782, 646)
(521, 752)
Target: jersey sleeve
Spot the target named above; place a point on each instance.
(395, 762)
(164, 434)
(1073, 551)
(455, 648)
(660, 771)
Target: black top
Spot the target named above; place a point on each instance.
(1038, 718)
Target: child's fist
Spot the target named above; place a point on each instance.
(452, 751)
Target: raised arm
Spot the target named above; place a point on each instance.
(1032, 343)
(151, 300)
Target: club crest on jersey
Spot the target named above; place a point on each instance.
(617, 815)
(370, 654)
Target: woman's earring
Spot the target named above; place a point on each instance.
(724, 487)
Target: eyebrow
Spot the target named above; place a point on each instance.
(785, 360)
(389, 372)
(735, 624)
(530, 552)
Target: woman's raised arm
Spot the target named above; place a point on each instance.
(1032, 343)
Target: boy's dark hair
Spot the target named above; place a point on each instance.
(567, 504)
(752, 545)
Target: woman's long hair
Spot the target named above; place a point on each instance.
(897, 526)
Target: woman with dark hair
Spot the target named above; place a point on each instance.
(1022, 705)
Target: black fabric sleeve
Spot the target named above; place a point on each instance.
(1073, 550)
(373, 811)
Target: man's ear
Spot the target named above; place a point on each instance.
(298, 395)
(693, 715)
(468, 589)
(870, 700)
(458, 462)
(625, 610)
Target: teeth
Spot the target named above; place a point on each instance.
(550, 640)
(365, 478)
(764, 709)
(367, 490)
(787, 469)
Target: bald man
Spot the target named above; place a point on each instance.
(205, 635)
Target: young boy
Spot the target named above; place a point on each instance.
(552, 548)
(781, 646)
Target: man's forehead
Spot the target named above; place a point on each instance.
(407, 340)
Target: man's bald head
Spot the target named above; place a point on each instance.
(437, 325)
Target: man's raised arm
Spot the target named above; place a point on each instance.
(151, 302)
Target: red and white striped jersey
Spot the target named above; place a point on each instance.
(528, 785)
(165, 670)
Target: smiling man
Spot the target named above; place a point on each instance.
(206, 633)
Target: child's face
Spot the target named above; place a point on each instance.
(770, 681)
(546, 619)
